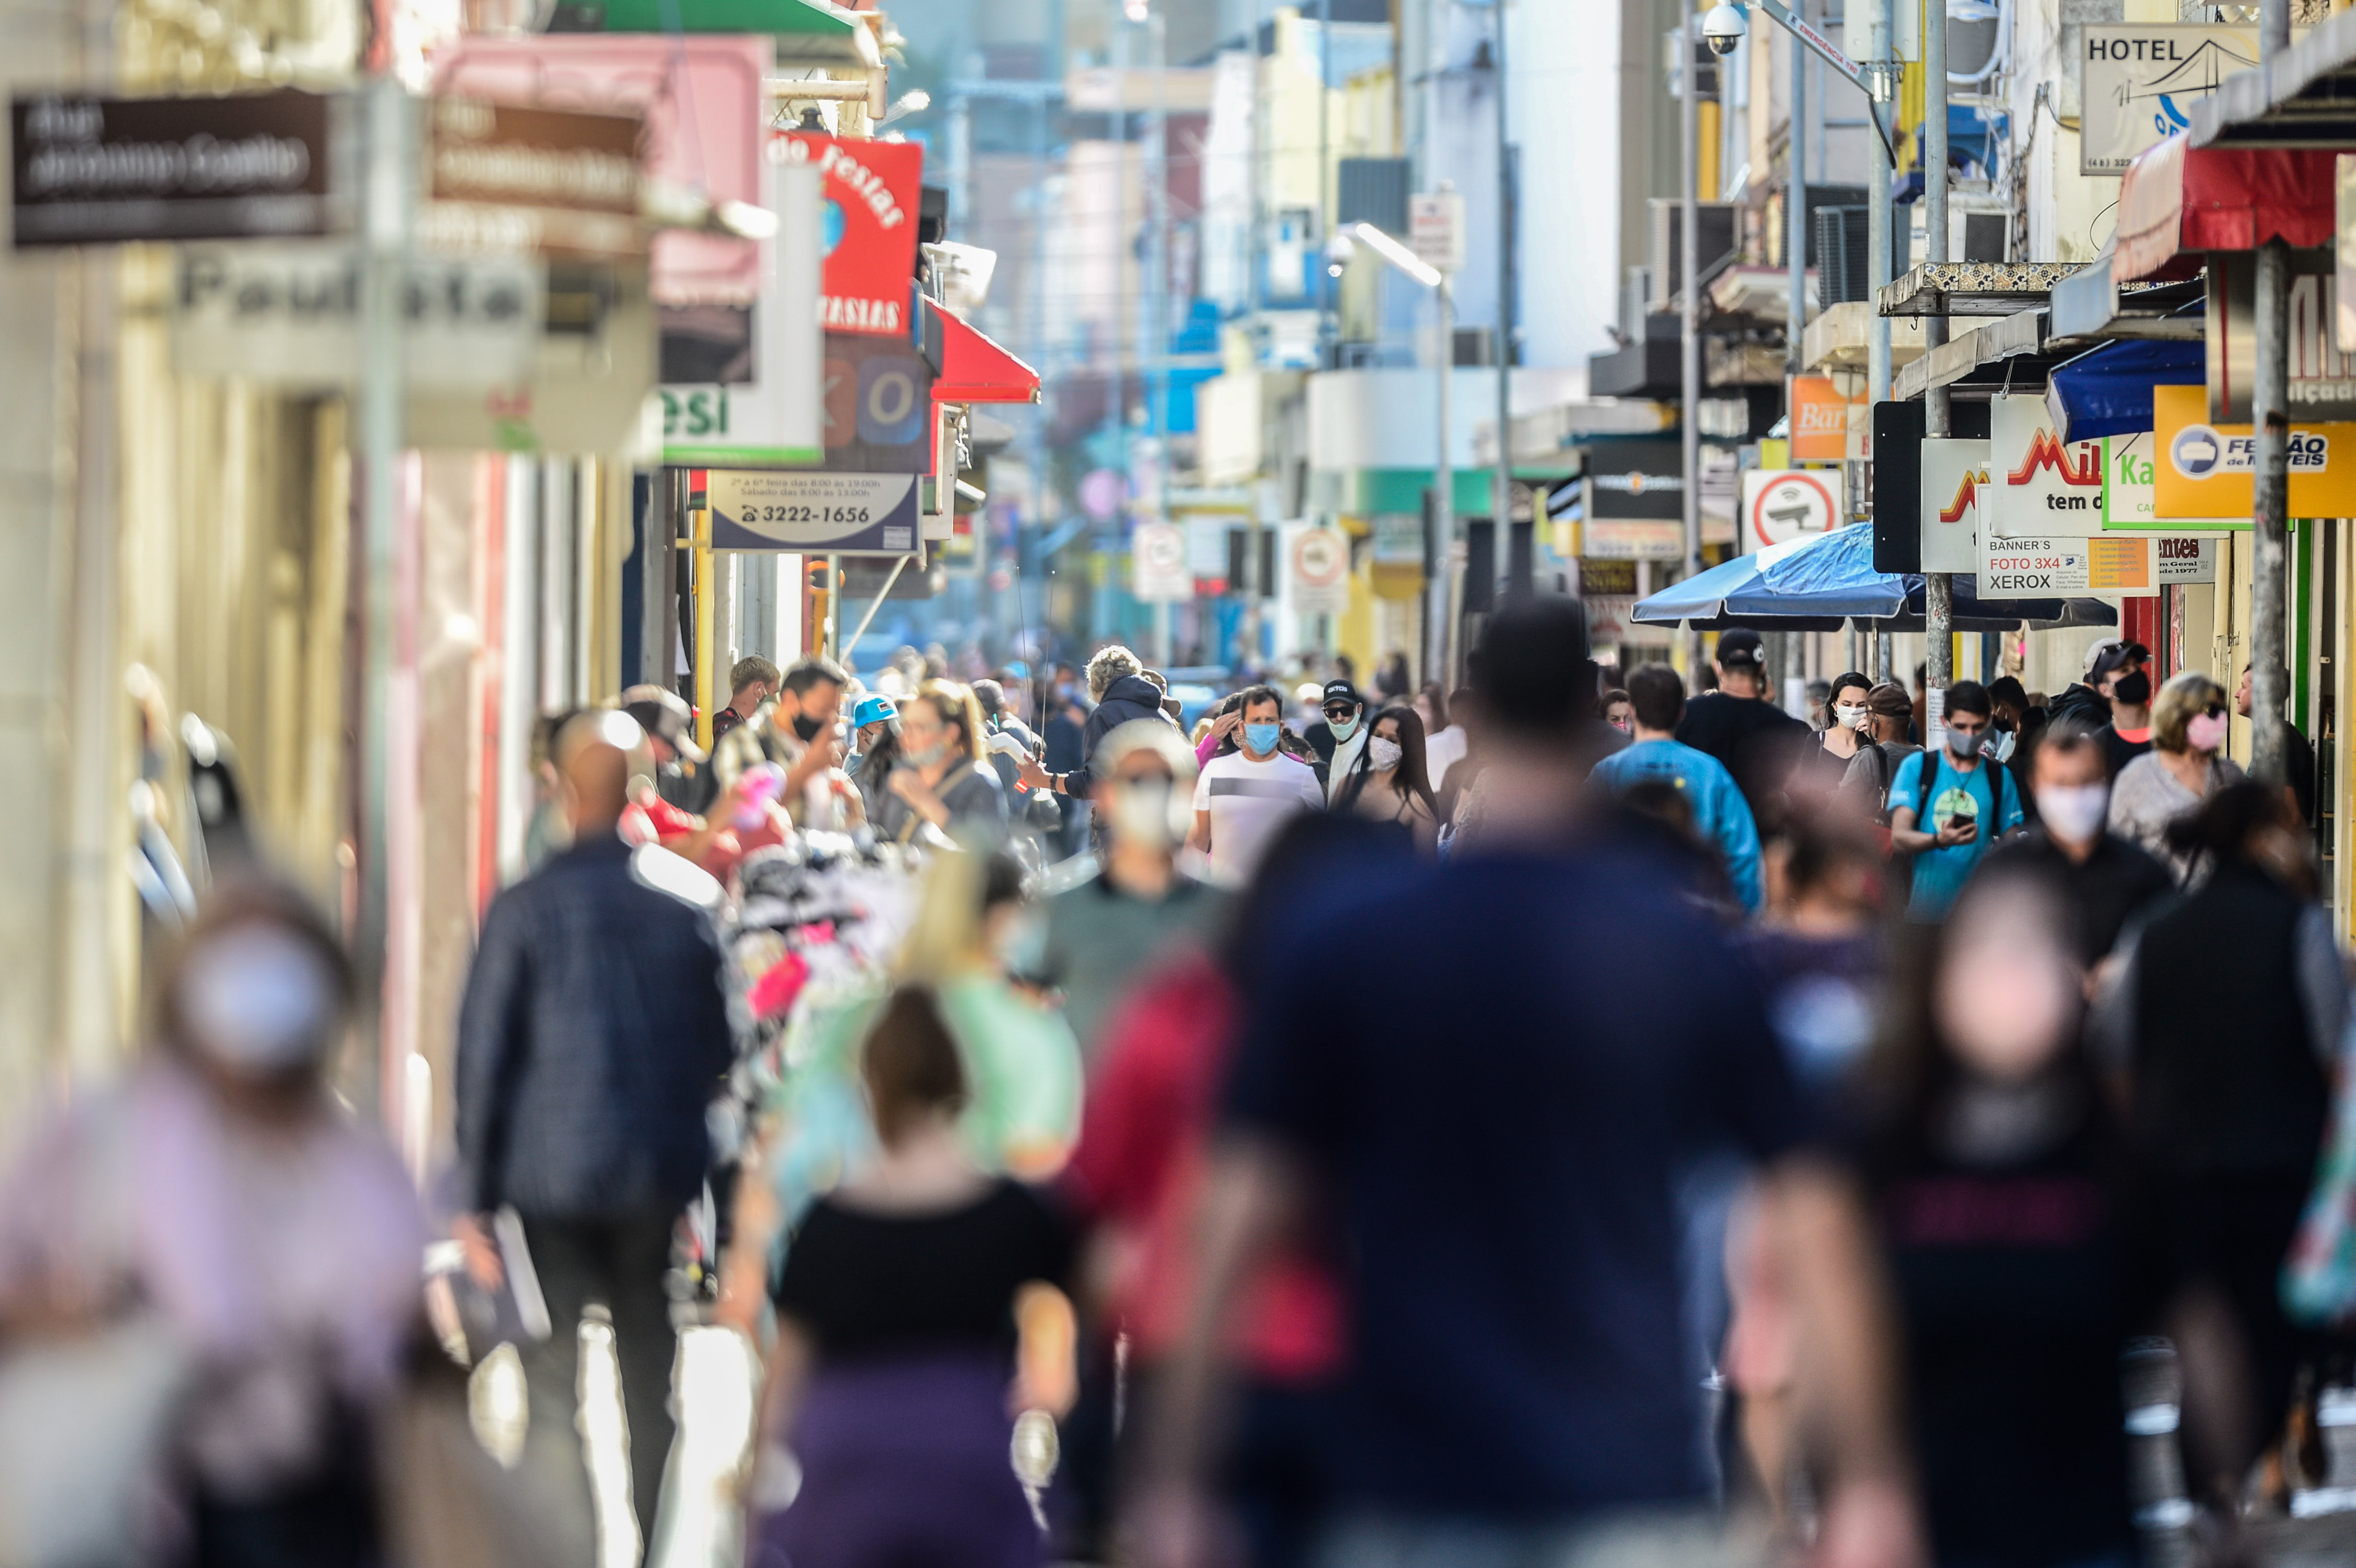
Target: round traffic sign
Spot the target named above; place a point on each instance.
(1320, 557)
(1790, 506)
(1165, 549)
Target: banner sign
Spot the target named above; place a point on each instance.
(1779, 504)
(100, 171)
(2030, 568)
(2137, 83)
(867, 227)
(2322, 379)
(2185, 558)
(841, 514)
(2130, 473)
(2203, 471)
(2039, 489)
(1954, 473)
(741, 382)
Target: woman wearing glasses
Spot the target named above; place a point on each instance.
(2182, 769)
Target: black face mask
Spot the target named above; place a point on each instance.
(807, 729)
(2134, 690)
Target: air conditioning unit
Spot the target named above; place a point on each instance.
(1719, 229)
(1979, 229)
(1843, 254)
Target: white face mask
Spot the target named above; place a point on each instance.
(1383, 753)
(1148, 813)
(257, 999)
(2074, 814)
(1852, 715)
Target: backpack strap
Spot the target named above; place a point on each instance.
(1925, 784)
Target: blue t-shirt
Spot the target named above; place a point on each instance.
(1940, 874)
(1499, 1156)
(1720, 814)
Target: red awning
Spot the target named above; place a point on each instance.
(2179, 200)
(974, 369)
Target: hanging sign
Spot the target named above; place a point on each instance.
(1820, 420)
(2138, 81)
(2039, 488)
(1317, 571)
(97, 171)
(867, 226)
(502, 180)
(841, 514)
(2203, 471)
(1159, 570)
(2186, 557)
(2322, 379)
(1954, 473)
(1779, 504)
(741, 382)
(2032, 568)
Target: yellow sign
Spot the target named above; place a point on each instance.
(2203, 470)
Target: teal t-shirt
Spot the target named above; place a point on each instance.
(1940, 874)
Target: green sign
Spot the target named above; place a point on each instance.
(2129, 467)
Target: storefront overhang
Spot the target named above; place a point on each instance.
(1840, 337)
(2011, 354)
(2306, 100)
(2107, 392)
(2178, 200)
(1973, 288)
(2097, 303)
(974, 369)
(805, 29)
(1546, 435)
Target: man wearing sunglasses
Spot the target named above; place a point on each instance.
(1339, 738)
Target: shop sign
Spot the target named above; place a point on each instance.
(289, 314)
(1157, 558)
(2129, 481)
(1631, 539)
(1637, 479)
(1820, 420)
(588, 385)
(741, 382)
(1317, 570)
(2322, 379)
(2344, 265)
(1398, 538)
(2137, 83)
(2035, 568)
(2037, 486)
(876, 397)
(2205, 471)
(2185, 558)
(701, 103)
(502, 180)
(841, 514)
(867, 227)
(1435, 230)
(97, 171)
(1779, 504)
(1953, 474)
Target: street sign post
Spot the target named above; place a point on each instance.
(101, 171)
(1158, 567)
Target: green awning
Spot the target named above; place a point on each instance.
(805, 29)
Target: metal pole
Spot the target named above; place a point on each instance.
(882, 593)
(1325, 333)
(1877, 210)
(1939, 587)
(2270, 510)
(1441, 589)
(1505, 343)
(1688, 338)
(1795, 227)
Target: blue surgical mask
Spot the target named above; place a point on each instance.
(1260, 739)
(1342, 728)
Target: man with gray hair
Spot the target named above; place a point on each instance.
(1122, 695)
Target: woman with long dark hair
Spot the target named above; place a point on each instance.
(1395, 789)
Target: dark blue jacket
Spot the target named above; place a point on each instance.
(593, 1034)
(1131, 697)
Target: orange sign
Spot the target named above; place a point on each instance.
(1820, 417)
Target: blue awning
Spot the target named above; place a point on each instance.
(1818, 583)
(2107, 390)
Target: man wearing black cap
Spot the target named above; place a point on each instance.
(680, 777)
(1756, 740)
(2122, 674)
(1339, 738)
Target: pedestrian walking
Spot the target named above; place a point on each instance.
(682, 778)
(1243, 797)
(2224, 1017)
(209, 1274)
(2125, 679)
(1715, 804)
(1443, 736)
(1122, 695)
(2020, 1244)
(1846, 733)
(2298, 752)
(1108, 922)
(897, 1341)
(874, 726)
(1392, 787)
(1947, 807)
(1616, 709)
(942, 781)
(593, 1033)
(1756, 741)
(2182, 767)
(2102, 880)
(1337, 737)
(1818, 949)
(752, 680)
(1521, 1389)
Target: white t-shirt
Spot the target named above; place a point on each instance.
(1443, 752)
(1248, 802)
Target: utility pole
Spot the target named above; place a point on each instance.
(1938, 587)
(1796, 245)
(1504, 527)
(1688, 334)
(2270, 509)
(1157, 384)
(1877, 248)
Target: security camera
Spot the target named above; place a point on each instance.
(1723, 28)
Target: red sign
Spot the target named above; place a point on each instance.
(869, 235)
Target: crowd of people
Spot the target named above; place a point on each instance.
(1561, 1120)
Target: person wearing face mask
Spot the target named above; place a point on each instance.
(593, 1033)
(798, 732)
(2018, 1238)
(1615, 708)
(218, 1221)
(2104, 881)
(1338, 738)
(1846, 731)
(1947, 807)
(942, 781)
(1720, 818)
(1392, 787)
(1243, 797)
(2182, 769)
(1110, 920)
(2127, 685)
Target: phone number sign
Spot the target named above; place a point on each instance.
(812, 513)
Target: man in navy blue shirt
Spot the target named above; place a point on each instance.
(1498, 1155)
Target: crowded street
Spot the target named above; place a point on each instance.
(1178, 784)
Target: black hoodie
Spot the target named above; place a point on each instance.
(1129, 697)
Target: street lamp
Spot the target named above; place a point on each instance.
(1439, 655)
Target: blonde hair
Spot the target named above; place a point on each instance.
(1109, 664)
(955, 704)
(2188, 695)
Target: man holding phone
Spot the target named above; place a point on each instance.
(1948, 804)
